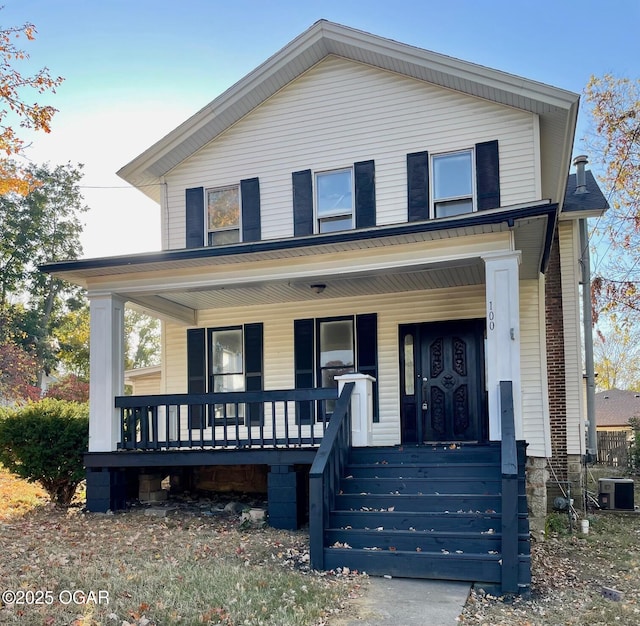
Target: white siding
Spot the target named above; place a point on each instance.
(392, 309)
(570, 268)
(339, 113)
(535, 397)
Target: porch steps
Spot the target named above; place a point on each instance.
(425, 512)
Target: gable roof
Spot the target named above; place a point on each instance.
(615, 406)
(557, 108)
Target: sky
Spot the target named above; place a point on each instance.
(136, 69)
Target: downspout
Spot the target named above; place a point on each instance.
(585, 262)
(592, 439)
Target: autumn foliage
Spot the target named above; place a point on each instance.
(17, 374)
(16, 110)
(70, 388)
(615, 109)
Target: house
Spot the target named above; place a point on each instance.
(144, 381)
(367, 212)
(614, 408)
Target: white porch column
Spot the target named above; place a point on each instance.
(361, 407)
(106, 371)
(503, 336)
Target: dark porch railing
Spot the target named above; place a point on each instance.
(326, 472)
(243, 419)
(509, 490)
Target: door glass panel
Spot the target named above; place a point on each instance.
(409, 382)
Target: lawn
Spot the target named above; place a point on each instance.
(73, 568)
(70, 567)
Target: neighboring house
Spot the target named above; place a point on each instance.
(144, 381)
(360, 208)
(614, 409)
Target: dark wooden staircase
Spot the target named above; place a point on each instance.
(432, 511)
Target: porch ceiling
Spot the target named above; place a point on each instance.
(434, 254)
(347, 284)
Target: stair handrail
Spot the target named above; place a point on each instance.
(509, 463)
(326, 472)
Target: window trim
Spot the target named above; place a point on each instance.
(337, 215)
(433, 201)
(236, 186)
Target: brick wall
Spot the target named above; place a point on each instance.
(556, 364)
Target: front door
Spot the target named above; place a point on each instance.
(442, 382)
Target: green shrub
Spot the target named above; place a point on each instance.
(45, 441)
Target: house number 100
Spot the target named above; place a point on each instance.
(492, 316)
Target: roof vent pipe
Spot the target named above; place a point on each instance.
(581, 178)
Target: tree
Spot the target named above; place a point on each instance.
(142, 340)
(72, 336)
(15, 108)
(616, 358)
(17, 374)
(615, 108)
(40, 227)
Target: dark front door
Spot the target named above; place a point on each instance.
(442, 381)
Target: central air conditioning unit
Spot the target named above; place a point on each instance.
(616, 494)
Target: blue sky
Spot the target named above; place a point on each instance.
(135, 69)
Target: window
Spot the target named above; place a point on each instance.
(452, 183)
(223, 215)
(226, 370)
(336, 350)
(334, 200)
(329, 347)
(224, 360)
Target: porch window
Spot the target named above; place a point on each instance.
(329, 347)
(452, 183)
(226, 366)
(223, 360)
(334, 200)
(223, 215)
(336, 353)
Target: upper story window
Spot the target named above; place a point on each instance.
(334, 200)
(452, 183)
(223, 215)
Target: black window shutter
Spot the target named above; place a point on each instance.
(194, 213)
(418, 186)
(302, 203)
(367, 351)
(488, 175)
(250, 194)
(253, 365)
(365, 183)
(303, 364)
(196, 373)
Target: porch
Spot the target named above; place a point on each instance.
(377, 509)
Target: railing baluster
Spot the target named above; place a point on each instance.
(237, 424)
(142, 427)
(286, 423)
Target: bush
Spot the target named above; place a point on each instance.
(45, 441)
